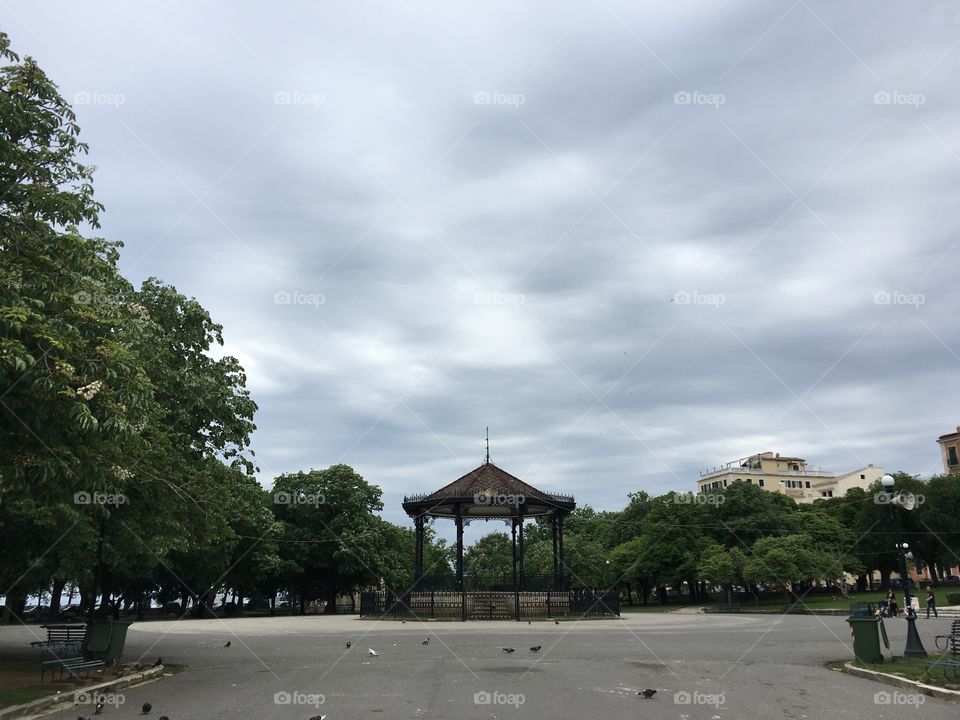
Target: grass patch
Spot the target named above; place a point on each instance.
(654, 608)
(21, 695)
(20, 680)
(908, 668)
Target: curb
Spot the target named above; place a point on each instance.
(40, 704)
(898, 681)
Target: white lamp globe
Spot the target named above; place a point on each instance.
(887, 481)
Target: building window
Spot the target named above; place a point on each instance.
(862, 476)
(808, 483)
(761, 482)
(952, 456)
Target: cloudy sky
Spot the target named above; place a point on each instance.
(637, 240)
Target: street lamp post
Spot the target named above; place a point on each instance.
(914, 647)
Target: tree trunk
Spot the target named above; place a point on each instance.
(55, 593)
(331, 597)
(14, 606)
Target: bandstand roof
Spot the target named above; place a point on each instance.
(488, 492)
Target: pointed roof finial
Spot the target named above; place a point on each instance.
(488, 445)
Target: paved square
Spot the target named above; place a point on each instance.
(702, 666)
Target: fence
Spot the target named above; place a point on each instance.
(489, 604)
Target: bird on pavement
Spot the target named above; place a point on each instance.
(159, 662)
(529, 622)
(228, 643)
(349, 644)
(508, 650)
(373, 653)
(536, 648)
(147, 707)
(648, 693)
(318, 717)
(164, 717)
(556, 622)
(98, 709)
(426, 641)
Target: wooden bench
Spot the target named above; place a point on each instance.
(62, 650)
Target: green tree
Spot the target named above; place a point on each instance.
(332, 538)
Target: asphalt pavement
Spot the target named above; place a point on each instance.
(702, 666)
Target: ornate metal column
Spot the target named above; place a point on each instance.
(556, 565)
(418, 562)
(563, 565)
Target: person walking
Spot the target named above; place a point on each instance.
(931, 603)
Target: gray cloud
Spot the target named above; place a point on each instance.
(736, 226)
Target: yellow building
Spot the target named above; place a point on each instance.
(788, 476)
(950, 449)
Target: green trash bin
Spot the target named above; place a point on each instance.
(866, 639)
(105, 640)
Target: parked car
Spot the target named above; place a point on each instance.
(950, 580)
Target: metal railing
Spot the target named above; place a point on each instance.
(490, 605)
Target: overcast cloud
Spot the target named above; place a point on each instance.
(636, 240)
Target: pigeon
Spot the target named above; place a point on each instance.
(508, 650)
(648, 693)
(228, 644)
(403, 622)
(349, 644)
(147, 707)
(529, 622)
(426, 641)
(373, 653)
(556, 622)
(159, 662)
(98, 709)
(536, 648)
(318, 717)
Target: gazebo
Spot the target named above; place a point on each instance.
(491, 493)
